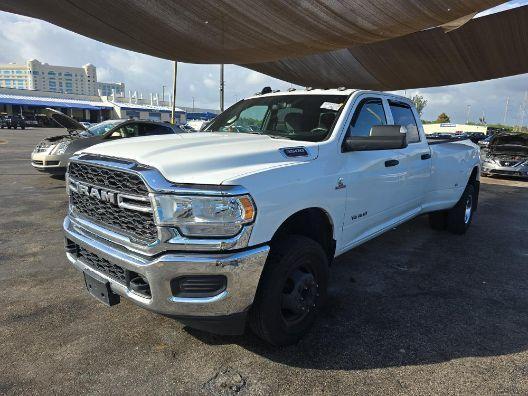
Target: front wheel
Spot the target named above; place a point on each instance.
(291, 292)
(460, 216)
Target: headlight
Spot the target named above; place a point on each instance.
(61, 148)
(39, 149)
(198, 216)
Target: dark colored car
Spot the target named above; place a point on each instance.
(12, 122)
(476, 137)
(507, 155)
(52, 154)
(485, 142)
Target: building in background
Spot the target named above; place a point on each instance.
(111, 88)
(454, 128)
(39, 76)
(92, 108)
(14, 76)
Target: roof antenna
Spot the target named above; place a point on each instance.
(265, 90)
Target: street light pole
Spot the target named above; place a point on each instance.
(467, 114)
(173, 120)
(506, 110)
(221, 87)
(163, 93)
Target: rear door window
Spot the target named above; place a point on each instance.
(403, 115)
(125, 131)
(153, 129)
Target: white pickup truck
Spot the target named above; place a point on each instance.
(240, 223)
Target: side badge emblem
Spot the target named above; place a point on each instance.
(340, 184)
(295, 152)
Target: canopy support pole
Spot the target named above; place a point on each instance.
(222, 87)
(173, 120)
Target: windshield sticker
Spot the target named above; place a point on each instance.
(331, 106)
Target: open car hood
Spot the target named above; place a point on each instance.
(63, 120)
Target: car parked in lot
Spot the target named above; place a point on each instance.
(52, 154)
(476, 137)
(507, 155)
(234, 225)
(31, 121)
(12, 122)
(484, 143)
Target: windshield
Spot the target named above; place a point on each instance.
(296, 117)
(103, 127)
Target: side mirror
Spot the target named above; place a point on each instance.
(382, 137)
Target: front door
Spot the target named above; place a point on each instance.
(370, 176)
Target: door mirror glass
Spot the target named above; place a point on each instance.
(381, 137)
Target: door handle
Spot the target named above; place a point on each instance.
(391, 163)
(426, 156)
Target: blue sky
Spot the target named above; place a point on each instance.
(23, 38)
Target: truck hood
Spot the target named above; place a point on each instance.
(208, 158)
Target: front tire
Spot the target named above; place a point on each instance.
(460, 216)
(291, 292)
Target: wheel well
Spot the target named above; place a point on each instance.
(474, 174)
(476, 184)
(313, 223)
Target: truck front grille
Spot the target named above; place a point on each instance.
(138, 225)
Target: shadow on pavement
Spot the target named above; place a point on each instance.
(416, 296)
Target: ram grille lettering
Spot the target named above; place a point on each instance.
(94, 192)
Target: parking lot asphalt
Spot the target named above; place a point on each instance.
(414, 311)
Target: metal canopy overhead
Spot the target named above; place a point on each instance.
(244, 31)
(484, 48)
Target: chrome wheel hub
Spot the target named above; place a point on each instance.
(469, 206)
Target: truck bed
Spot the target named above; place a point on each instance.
(432, 141)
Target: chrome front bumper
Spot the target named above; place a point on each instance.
(242, 270)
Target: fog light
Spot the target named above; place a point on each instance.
(198, 285)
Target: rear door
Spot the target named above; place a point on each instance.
(415, 159)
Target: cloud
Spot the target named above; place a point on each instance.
(255, 78)
(209, 82)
